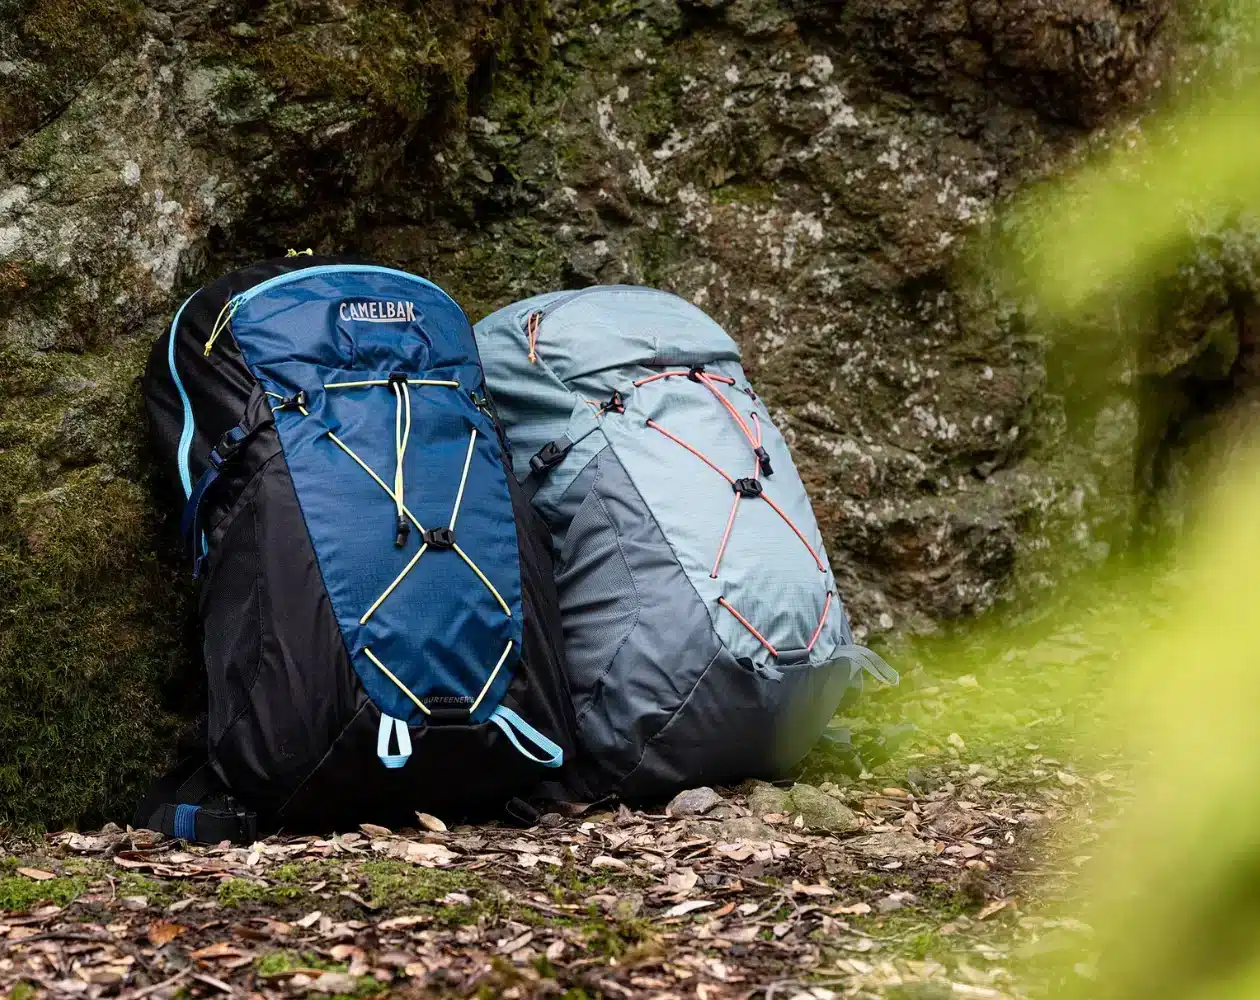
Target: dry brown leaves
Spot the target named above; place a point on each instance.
(625, 904)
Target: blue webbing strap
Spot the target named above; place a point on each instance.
(189, 522)
(186, 821)
(511, 724)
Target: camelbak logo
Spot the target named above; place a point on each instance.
(379, 312)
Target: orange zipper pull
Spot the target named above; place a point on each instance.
(531, 331)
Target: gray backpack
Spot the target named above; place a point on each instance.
(705, 638)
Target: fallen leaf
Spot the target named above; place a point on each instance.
(372, 830)
(812, 890)
(604, 861)
(310, 919)
(161, 932)
(856, 910)
(36, 874)
(431, 823)
(435, 853)
(992, 908)
(689, 906)
(517, 943)
(220, 949)
(398, 923)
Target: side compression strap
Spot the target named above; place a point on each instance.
(192, 804)
(511, 724)
(190, 521)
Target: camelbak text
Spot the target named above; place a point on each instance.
(379, 312)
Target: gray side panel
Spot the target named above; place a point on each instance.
(637, 636)
(741, 723)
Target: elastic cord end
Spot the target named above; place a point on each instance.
(404, 532)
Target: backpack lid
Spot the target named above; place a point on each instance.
(613, 326)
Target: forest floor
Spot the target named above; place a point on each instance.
(949, 871)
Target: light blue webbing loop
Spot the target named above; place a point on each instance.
(511, 724)
(390, 725)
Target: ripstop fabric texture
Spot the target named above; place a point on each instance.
(704, 633)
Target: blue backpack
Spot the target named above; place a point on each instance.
(705, 636)
(381, 623)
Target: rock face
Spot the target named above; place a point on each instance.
(806, 171)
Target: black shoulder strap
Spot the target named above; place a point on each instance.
(191, 803)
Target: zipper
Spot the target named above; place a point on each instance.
(534, 320)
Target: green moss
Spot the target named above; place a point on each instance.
(154, 890)
(384, 55)
(91, 616)
(23, 991)
(19, 893)
(393, 883)
(278, 963)
(760, 195)
(67, 41)
(243, 891)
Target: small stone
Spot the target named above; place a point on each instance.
(920, 781)
(765, 799)
(894, 901)
(334, 984)
(821, 811)
(551, 820)
(900, 846)
(745, 828)
(134, 902)
(694, 802)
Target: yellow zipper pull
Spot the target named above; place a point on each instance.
(308, 252)
(220, 324)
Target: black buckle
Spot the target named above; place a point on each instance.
(227, 447)
(695, 372)
(248, 821)
(750, 488)
(440, 538)
(549, 456)
(616, 404)
(397, 378)
(763, 459)
(296, 401)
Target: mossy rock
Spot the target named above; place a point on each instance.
(112, 205)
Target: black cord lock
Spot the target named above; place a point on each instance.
(440, 538)
(750, 488)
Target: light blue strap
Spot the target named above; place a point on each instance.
(390, 725)
(511, 724)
